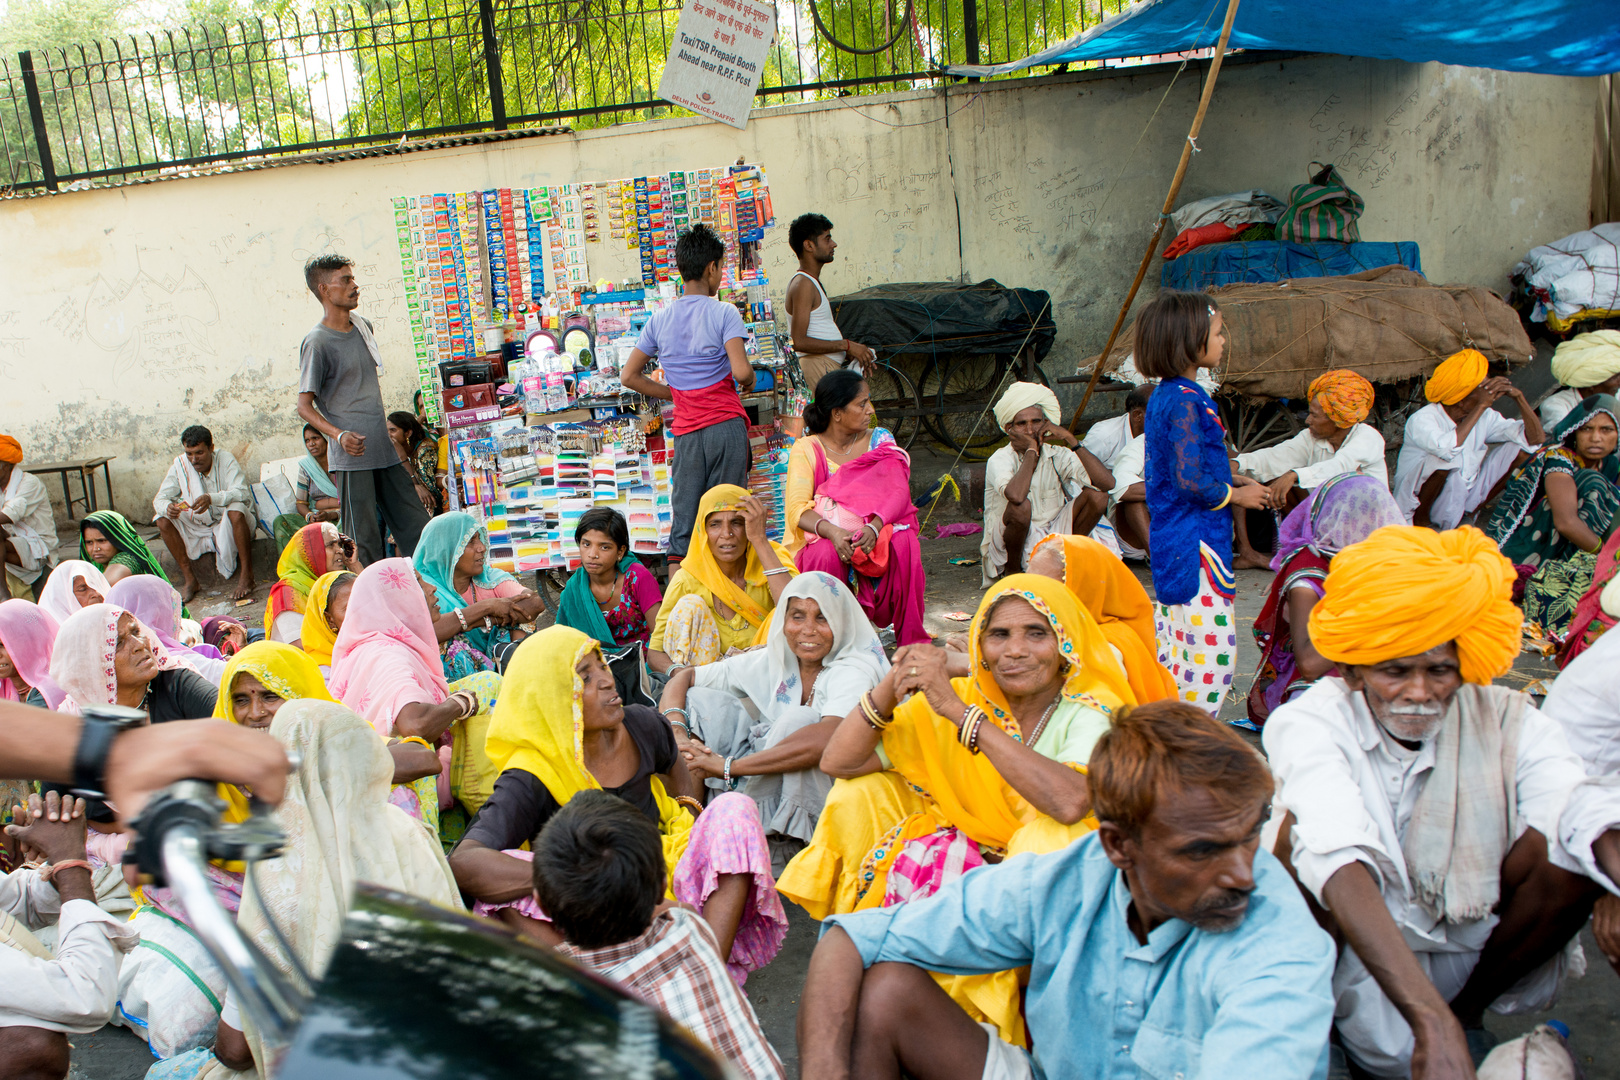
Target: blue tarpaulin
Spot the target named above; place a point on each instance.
(1554, 37)
(1272, 260)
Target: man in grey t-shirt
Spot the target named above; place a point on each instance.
(339, 394)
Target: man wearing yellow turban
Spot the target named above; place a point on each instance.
(1586, 364)
(29, 527)
(1439, 820)
(1034, 487)
(1335, 441)
(1458, 450)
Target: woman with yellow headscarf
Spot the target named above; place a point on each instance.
(1113, 597)
(722, 596)
(266, 675)
(323, 616)
(938, 775)
(560, 728)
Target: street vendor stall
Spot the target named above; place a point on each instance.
(518, 349)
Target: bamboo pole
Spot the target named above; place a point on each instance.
(1169, 204)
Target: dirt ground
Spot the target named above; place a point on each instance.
(1590, 1005)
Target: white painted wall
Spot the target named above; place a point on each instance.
(128, 313)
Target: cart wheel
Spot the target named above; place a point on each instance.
(1253, 424)
(965, 420)
(1393, 405)
(895, 401)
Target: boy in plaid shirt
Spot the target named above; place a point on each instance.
(599, 875)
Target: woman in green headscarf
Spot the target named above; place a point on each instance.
(481, 607)
(107, 539)
(1559, 507)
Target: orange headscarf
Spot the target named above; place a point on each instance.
(1108, 590)
(1456, 378)
(1405, 590)
(1346, 397)
(10, 450)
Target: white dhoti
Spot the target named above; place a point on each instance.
(210, 531)
(1375, 1033)
(33, 553)
(996, 559)
(1464, 492)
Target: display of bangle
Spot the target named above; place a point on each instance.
(671, 709)
(1222, 504)
(818, 527)
(973, 736)
(416, 739)
(462, 619)
(683, 727)
(731, 785)
(969, 724)
(778, 570)
(690, 803)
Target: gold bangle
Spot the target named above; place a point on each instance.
(1222, 504)
(690, 803)
(416, 739)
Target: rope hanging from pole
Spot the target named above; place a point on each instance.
(821, 28)
(1187, 151)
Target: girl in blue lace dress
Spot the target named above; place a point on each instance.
(1190, 489)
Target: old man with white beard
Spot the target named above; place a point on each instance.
(1443, 824)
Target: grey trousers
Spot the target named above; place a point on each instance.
(703, 459)
(363, 492)
(789, 803)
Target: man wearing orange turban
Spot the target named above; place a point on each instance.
(1458, 450)
(1335, 441)
(1442, 822)
(29, 526)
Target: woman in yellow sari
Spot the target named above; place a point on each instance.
(723, 595)
(323, 616)
(939, 775)
(1113, 597)
(560, 728)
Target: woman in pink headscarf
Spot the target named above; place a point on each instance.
(26, 637)
(156, 603)
(386, 667)
(849, 511)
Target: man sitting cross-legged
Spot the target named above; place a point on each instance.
(1163, 944)
(599, 875)
(203, 505)
(1442, 823)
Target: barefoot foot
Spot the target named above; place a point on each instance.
(1251, 560)
(189, 589)
(244, 587)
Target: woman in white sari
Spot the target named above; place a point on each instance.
(341, 830)
(758, 721)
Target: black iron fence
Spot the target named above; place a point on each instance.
(382, 72)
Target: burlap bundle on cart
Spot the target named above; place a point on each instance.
(1388, 324)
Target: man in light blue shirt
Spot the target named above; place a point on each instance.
(1164, 945)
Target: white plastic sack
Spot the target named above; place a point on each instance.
(169, 988)
(272, 497)
(1238, 208)
(1540, 1055)
(1580, 271)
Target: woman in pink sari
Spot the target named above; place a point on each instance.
(26, 637)
(849, 511)
(386, 667)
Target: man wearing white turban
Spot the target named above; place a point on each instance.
(1586, 364)
(1033, 488)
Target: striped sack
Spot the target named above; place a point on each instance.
(1324, 209)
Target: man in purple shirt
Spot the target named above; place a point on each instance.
(698, 342)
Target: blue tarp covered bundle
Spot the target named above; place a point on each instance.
(1554, 37)
(1273, 260)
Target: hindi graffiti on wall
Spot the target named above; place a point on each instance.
(717, 57)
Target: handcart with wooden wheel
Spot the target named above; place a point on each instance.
(958, 344)
(1390, 325)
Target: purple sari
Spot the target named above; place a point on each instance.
(877, 487)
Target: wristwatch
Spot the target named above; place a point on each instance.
(101, 724)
